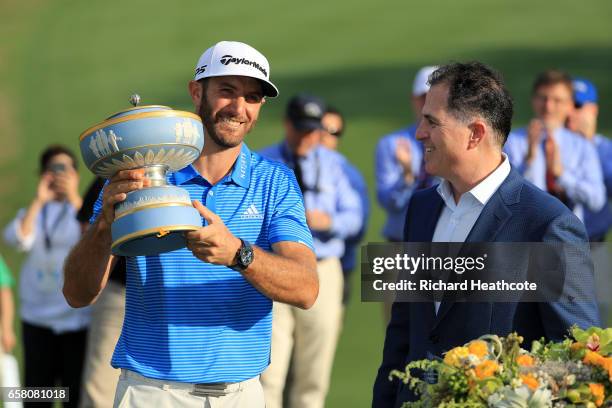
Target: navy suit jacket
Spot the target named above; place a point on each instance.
(517, 212)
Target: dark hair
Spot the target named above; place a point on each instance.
(552, 77)
(477, 89)
(52, 151)
(204, 83)
(333, 110)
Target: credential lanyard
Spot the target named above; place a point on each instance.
(49, 233)
(288, 157)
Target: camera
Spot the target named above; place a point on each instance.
(57, 168)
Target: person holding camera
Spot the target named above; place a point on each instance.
(54, 334)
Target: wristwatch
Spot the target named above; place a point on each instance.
(244, 256)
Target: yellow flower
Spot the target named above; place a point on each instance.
(576, 346)
(478, 348)
(530, 381)
(607, 365)
(597, 390)
(525, 360)
(454, 356)
(594, 358)
(486, 369)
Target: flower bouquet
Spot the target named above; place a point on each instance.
(496, 372)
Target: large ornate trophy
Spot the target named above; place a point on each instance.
(159, 139)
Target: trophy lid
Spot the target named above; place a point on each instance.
(142, 136)
(135, 101)
(139, 109)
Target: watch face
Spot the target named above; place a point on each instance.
(246, 256)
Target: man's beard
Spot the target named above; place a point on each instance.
(209, 122)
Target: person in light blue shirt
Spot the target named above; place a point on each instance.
(400, 169)
(399, 164)
(334, 214)
(198, 320)
(334, 126)
(583, 121)
(552, 157)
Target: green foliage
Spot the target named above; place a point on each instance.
(550, 350)
(601, 338)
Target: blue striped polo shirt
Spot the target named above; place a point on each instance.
(190, 321)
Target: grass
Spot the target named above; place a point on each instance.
(66, 65)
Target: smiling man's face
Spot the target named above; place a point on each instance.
(230, 107)
(445, 139)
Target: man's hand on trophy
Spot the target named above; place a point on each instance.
(213, 243)
(116, 190)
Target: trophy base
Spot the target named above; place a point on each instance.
(147, 231)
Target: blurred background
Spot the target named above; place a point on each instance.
(66, 65)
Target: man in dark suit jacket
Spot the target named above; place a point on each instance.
(466, 120)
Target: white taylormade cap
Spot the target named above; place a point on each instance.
(236, 58)
(420, 86)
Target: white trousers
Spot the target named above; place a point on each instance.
(136, 391)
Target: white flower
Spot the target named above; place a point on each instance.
(520, 397)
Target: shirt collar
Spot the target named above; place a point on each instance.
(241, 171)
(445, 191)
(487, 187)
(289, 156)
(185, 174)
(483, 191)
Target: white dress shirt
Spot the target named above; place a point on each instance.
(457, 219)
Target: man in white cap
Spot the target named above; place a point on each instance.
(198, 320)
(399, 163)
(400, 167)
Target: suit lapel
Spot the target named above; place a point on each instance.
(430, 222)
(424, 218)
(491, 221)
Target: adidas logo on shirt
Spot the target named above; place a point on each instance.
(251, 212)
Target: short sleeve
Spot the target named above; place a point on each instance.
(90, 198)
(288, 221)
(6, 279)
(97, 207)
